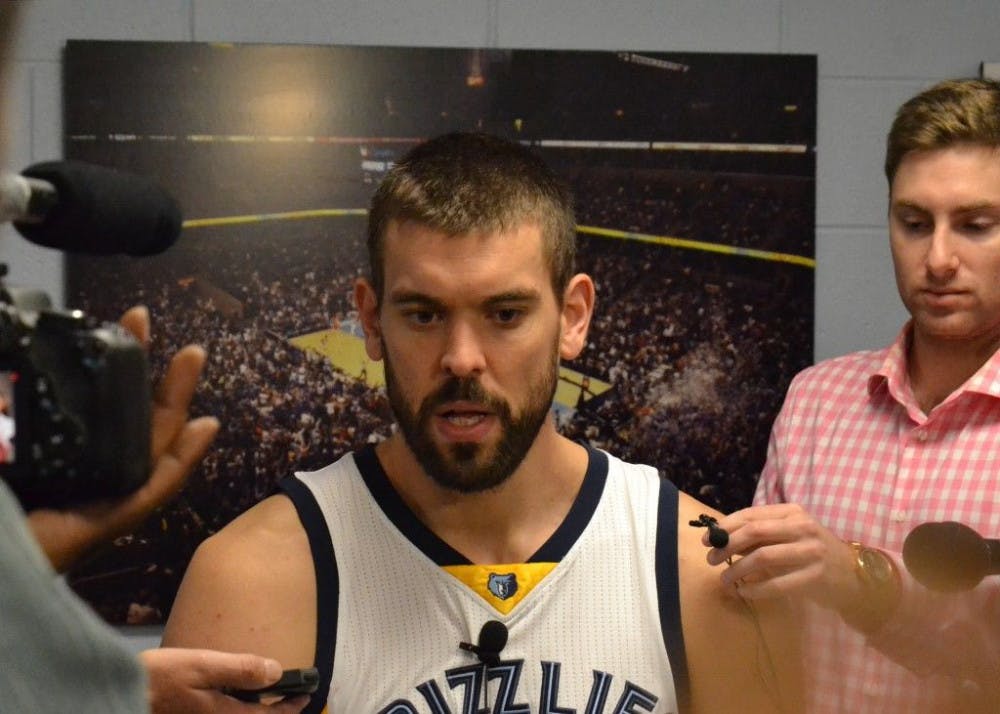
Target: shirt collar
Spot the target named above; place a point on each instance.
(892, 374)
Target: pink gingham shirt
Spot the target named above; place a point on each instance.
(853, 448)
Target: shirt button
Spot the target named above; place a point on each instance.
(920, 435)
(899, 516)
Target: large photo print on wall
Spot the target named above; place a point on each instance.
(694, 178)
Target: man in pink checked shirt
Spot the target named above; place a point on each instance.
(870, 445)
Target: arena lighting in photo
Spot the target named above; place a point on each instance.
(694, 176)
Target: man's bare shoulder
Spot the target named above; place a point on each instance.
(741, 658)
(251, 587)
(699, 581)
(257, 545)
(272, 522)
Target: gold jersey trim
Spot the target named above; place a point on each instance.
(493, 583)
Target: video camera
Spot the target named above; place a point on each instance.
(75, 402)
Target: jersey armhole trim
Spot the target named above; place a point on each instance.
(327, 586)
(668, 591)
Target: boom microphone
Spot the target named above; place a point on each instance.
(83, 208)
(950, 556)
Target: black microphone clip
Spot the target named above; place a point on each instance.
(492, 640)
(718, 537)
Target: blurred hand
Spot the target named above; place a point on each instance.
(177, 445)
(187, 681)
(780, 550)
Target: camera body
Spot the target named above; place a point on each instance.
(76, 423)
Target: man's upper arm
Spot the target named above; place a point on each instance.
(251, 588)
(740, 658)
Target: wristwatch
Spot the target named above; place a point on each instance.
(880, 583)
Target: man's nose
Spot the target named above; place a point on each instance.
(463, 354)
(942, 258)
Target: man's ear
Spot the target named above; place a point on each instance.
(366, 301)
(578, 308)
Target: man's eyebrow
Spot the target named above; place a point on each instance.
(413, 297)
(978, 206)
(908, 205)
(400, 297)
(510, 296)
(965, 208)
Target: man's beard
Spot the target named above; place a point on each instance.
(471, 467)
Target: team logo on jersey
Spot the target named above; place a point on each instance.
(502, 586)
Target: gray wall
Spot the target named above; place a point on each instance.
(872, 56)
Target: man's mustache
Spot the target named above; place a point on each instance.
(463, 389)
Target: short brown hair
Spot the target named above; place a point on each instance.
(464, 182)
(956, 111)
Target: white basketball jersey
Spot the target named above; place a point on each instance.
(597, 633)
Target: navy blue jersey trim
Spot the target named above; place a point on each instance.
(400, 514)
(668, 591)
(442, 554)
(580, 513)
(327, 586)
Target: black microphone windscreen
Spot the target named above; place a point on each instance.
(946, 556)
(493, 636)
(103, 211)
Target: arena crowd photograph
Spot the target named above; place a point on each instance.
(693, 176)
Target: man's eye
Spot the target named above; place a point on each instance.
(914, 225)
(508, 315)
(421, 317)
(978, 227)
